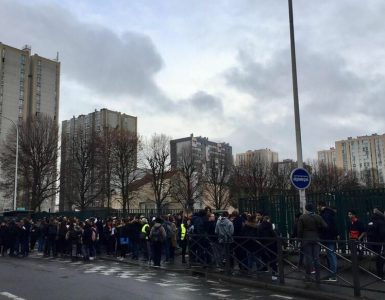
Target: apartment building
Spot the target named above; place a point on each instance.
(29, 85)
(263, 155)
(202, 150)
(92, 123)
(327, 157)
(364, 155)
(202, 153)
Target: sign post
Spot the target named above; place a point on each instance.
(300, 178)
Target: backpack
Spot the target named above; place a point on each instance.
(156, 235)
(168, 229)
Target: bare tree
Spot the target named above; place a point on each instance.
(105, 141)
(157, 159)
(37, 168)
(124, 156)
(217, 176)
(258, 177)
(187, 184)
(81, 165)
(328, 178)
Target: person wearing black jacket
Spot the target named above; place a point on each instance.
(250, 233)
(25, 231)
(328, 238)
(3, 238)
(376, 235)
(87, 240)
(238, 247)
(267, 237)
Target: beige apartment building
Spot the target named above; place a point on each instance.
(94, 122)
(265, 155)
(362, 155)
(29, 85)
(327, 157)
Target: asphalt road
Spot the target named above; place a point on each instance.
(38, 278)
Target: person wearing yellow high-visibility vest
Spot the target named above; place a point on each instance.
(144, 241)
(183, 239)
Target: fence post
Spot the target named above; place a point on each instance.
(228, 258)
(281, 269)
(355, 268)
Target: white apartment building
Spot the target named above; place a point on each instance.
(362, 155)
(29, 85)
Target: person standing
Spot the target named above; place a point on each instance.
(329, 236)
(356, 230)
(309, 226)
(225, 230)
(182, 239)
(157, 237)
(376, 239)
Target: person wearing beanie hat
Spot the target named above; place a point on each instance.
(309, 207)
(309, 226)
(376, 236)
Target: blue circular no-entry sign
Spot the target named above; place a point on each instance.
(300, 178)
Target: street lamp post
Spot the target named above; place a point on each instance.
(17, 159)
(302, 195)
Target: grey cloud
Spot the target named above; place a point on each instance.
(260, 80)
(94, 55)
(203, 103)
(335, 101)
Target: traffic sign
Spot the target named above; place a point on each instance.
(300, 178)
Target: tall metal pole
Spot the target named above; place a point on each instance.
(17, 160)
(302, 195)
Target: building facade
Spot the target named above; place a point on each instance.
(203, 153)
(364, 155)
(265, 155)
(201, 149)
(29, 85)
(90, 124)
(327, 157)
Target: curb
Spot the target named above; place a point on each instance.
(290, 290)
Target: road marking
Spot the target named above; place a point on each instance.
(11, 296)
(188, 289)
(164, 284)
(219, 295)
(282, 297)
(220, 290)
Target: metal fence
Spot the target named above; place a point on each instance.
(282, 208)
(279, 259)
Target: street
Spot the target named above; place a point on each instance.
(37, 278)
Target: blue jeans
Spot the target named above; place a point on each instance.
(332, 257)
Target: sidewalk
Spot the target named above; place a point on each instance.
(294, 284)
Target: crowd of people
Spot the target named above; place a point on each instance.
(250, 240)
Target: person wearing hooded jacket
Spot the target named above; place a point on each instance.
(376, 235)
(309, 226)
(157, 236)
(225, 230)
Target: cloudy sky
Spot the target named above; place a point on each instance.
(219, 69)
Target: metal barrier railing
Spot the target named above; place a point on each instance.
(253, 256)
